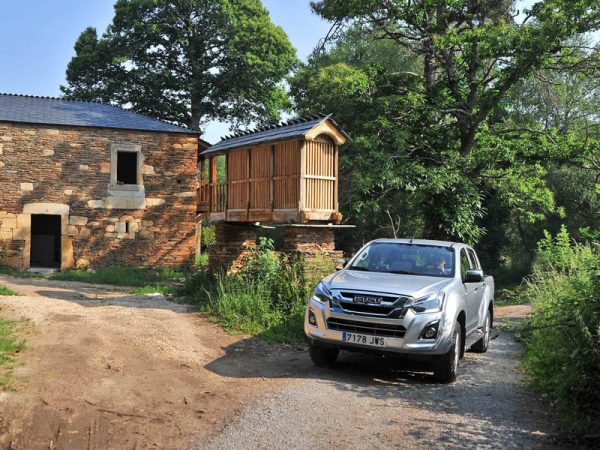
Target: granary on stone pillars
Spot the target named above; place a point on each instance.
(283, 175)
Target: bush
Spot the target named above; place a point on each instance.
(267, 296)
(563, 348)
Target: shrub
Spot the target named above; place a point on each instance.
(208, 236)
(266, 296)
(563, 348)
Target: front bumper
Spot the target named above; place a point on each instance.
(409, 344)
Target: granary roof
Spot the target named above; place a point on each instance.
(58, 111)
(287, 130)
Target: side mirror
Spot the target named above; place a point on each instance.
(340, 264)
(474, 276)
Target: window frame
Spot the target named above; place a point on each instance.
(115, 149)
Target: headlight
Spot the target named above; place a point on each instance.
(321, 293)
(431, 303)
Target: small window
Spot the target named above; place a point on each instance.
(465, 264)
(473, 258)
(127, 168)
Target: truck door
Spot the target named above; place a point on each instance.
(472, 298)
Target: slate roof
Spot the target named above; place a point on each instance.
(287, 130)
(57, 111)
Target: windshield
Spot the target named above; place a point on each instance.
(410, 259)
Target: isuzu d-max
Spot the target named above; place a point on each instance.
(428, 300)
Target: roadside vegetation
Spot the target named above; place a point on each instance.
(6, 291)
(4, 270)
(265, 297)
(10, 345)
(122, 276)
(562, 337)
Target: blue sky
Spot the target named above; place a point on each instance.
(37, 38)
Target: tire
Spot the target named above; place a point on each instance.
(445, 368)
(482, 344)
(323, 357)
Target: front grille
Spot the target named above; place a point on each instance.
(367, 309)
(391, 306)
(375, 329)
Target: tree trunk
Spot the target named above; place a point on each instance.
(433, 227)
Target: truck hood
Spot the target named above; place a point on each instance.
(413, 285)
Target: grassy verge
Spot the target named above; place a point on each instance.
(121, 276)
(163, 289)
(6, 291)
(515, 295)
(10, 345)
(266, 298)
(16, 274)
(562, 338)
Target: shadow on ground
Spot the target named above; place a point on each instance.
(487, 407)
(90, 295)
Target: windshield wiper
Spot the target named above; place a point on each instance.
(403, 272)
(364, 269)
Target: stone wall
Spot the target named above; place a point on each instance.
(232, 244)
(66, 171)
(316, 245)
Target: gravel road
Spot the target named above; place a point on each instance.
(106, 369)
(370, 403)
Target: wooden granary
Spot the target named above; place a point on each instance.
(284, 173)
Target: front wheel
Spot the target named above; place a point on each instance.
(446, 366)
(482, 344)
(321, 356)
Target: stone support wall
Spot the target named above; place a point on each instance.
(317, 246)
(232, 243)
(67, 171)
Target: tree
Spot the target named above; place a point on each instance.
(186, 61)
(438, 129)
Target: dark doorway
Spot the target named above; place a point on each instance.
(45, 241)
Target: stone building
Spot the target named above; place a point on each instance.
(88, 184)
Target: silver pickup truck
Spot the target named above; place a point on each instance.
(428, 300)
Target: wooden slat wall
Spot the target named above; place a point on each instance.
(287, 170)
(237, 173)
(261, 170)
(320, 178)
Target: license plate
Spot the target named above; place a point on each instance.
(365, 339)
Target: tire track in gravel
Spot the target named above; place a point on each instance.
(367, 402)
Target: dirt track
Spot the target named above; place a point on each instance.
(108, 370)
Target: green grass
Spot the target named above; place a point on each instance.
(202, 260)
(154, 288)
(511, 296)
(15, 273)
(10, 345)
(121, 276)
(265, 298)
(6, 291)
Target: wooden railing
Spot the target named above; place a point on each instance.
(217, 202)
(203, 198)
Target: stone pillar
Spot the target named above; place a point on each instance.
(232, 243)
(316, 244)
